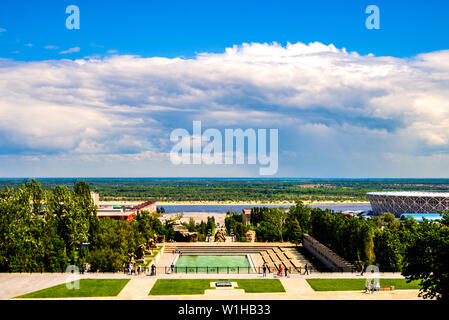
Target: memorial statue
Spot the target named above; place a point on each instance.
(220, 236)
(140, 252)
(250, 236)
(132, 257)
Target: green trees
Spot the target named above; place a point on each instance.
(234, 225)
(202, 228)
(389, 251)
(302, 214)
(295, 232)
(42, 230)
(210, 225)
(146, 225)
(426, 259)
(350, 237)
(277, 217)
(112, 244)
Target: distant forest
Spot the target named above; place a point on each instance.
(237, 189)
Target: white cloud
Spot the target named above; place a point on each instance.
(323, 99)
(51, 47)
(2, 30)
(71, 50)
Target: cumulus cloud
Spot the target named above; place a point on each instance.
(323, 100)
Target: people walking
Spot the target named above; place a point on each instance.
(363, 269)
(280, 270)
(264, 269)
(306, 267)
(153, 270)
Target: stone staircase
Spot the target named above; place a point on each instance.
(221, 249)
(272, 254)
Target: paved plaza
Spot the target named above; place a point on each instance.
(296, 287)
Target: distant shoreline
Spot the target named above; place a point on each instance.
(235, 203)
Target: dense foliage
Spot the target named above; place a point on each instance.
(204, 229)
(234, 226)
(237, 189)
(426, 258)
(44, 230)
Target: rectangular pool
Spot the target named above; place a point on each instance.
(213, 264)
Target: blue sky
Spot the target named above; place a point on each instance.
(102, 100)
(184, 28)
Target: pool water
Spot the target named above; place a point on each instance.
(213, 264)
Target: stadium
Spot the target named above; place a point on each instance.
(400, 202)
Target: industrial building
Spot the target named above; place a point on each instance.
(123, 212)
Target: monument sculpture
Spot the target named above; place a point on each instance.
(220, 236)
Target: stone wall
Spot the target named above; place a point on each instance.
(329, 258)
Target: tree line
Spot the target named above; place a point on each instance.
(417, 250)
(48, 230)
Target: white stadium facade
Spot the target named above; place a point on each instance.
(400, 202)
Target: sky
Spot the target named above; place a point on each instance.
(102, 100)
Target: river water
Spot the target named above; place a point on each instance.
(238, 208)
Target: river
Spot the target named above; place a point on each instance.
(238, 208)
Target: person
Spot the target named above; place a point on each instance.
(377, 286)
(153, 270)
(280, 271)
(140, 268)
(286, 271)
(372, 286)
(363, 269)
(172, 267)
(130, 268)
(264, 269)
(366, 286)
(306, 267)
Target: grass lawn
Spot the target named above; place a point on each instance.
(259, 285)
(88, 288)
(197, 286)
(358, 284)
(180, 286)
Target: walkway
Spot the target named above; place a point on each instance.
(137, 288)
(296, 286)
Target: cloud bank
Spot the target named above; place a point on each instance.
(338, 113)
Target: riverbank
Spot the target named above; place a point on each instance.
(237, 203)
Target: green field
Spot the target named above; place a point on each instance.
(358, 284)
(197, 286)
(87, 288)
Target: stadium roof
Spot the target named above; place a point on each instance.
(410, 194)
